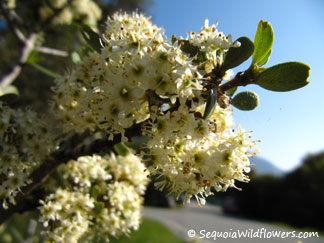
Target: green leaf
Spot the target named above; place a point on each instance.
(200, 57)
(10, 89)
(231, 91)
(263, 41)
(192, 50)
(284, 76)
(237, 55)
(33, 57)
(8, 93)
(186, 46)
(121, 149)
(265, 59)
(95, 191)
(91, 37)
(98, 207)
(211, 104)
(137, 142)
(75, 57)
(45, 70)
(246, 100)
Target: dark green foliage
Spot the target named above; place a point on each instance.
(297, 198)
(246, 100)
(191, 50)
(231, 91)
(284, 76)
(211, 104)
(91, 37)
(33, 85)
(304, 189)
(121, 149)
(237, 55)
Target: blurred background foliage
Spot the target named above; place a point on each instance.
(33, 85)
(296, 198)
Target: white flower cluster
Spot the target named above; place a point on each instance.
(194, 155)
(210, 40)
(102, 196)
(86, 10)
(139, 76)
(24, 142)
(112, 90)
(69, 210)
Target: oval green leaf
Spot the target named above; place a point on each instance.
(188, 47)
(231, 91)
(265, 59)
(246, 100)
(98, 207)
(284, 76)
(121, 149)
(237, 55)
(192, 50)
(211, 104)
(8, 93)
(10, 89)
(75, 57)
(263, 41)
(91, 37)
(33, 57)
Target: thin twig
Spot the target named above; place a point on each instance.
(17, 32)
(29, 43)
(16, 70)
(51, 51)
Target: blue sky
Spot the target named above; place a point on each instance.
(290, 124)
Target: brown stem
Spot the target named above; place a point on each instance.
(241, 79)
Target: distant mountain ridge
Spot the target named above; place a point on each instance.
(263, 167)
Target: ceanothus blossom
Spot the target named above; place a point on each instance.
(102, 195)
(86, 10)
(25, 141)
(139, 76)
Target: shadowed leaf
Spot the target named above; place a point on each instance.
(237, 55)
(211, 103)
(246, 100)
(91, 37)
(284, 76)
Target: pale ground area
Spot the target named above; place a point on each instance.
(211, 218)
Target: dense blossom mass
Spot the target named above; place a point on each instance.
(141, 77)
(66, 11)
(25, 141)
(137, 77)
(193, 155)
(101, 196)
(113, 89)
